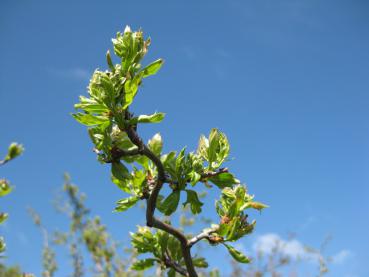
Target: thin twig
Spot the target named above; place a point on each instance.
(203, 235)
(172, 264)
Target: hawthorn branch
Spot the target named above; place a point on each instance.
(118, 153)
(151, 221)
(210, 174)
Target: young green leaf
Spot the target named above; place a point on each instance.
(14, 151)
(223, 180)
(131, 88)
(119, 171)
(3, 217)
(156, 144)
(143, 264)
(237, 255)
(152, 68)
(153, 118)
(194, 201)
(124, 185)
(4, 187)
(171, 273)
(89, 119)
(125, 204)
(90, 105)
(200, 262)
(257, 205)
(109, 61)
(170, 204)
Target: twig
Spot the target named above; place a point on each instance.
(203, 235)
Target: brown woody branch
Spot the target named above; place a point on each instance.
(172, 264)
(151, 221)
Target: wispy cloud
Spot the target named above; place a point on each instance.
(76, 73)
(294, 249)
(342, 256)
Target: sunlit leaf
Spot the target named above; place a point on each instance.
(194, 201)
(153, 118)
(125, 204)
(119, 171)
(143, 264)
(223, 180)
(152, 68)
(90, 120)
(156, 144)
(237, 255)
(170, 204)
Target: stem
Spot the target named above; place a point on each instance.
(151, 221)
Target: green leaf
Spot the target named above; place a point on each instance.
(174, 248)
(223, 180)
(130, 89)
(152, 68)
(3, 217)
(202, 149)
(194, 177)
(143, 241)
(171, 273)
(125, 204)
(214, 149)
(90, 120)
(156, 144)
(14, 150)
(257, 205)
(159, 203)
(143, 264)
(138, 181)
(200, 262)
(4, 187)
(194, 201)
(119, 171)
(2, 245)
(153, 118)
(90, 105)
(124, 185)
(109, 61)
(163, 240)
(237, 255)
(213, 145)
(170, 204)
(169, 161)
(101, 88)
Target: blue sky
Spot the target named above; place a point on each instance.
(287, 81)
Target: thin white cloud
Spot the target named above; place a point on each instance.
(271, 242)
(71, 73)
(294, 249)
(342, 256)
